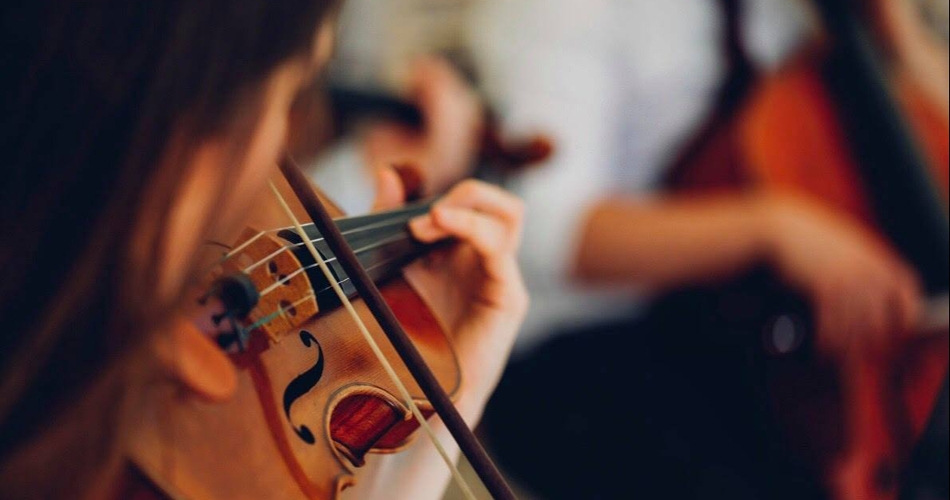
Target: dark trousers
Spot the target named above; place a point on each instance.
(641, 409)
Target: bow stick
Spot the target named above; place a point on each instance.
(468, 443)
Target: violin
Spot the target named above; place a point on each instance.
(350, 106)
(831, 125)
(328, 112)
(338, 356)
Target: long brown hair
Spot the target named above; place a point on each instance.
(93, 95)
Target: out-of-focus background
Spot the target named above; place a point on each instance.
(735, 232)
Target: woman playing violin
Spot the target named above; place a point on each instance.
(134, 133)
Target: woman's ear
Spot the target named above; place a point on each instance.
(197, 363)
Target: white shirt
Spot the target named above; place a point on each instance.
(618, 85)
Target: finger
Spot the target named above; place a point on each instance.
(907, 302)
(434, 81)
(424, 69)
(484, 235)
(389, 189)
(822, 320)
(487, 235)
(425, 229)
(412, 180)
(486, 198)
(830, 321)
(873, 316)
(854, 306)
(387, 139)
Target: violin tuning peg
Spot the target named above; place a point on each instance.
(237, 335)
(229, 299)
(237, 293)
(226, 340)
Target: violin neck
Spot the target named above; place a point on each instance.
(350, 105)
(381, 241)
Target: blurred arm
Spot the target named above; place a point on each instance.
(671, 241)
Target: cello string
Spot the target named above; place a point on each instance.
(387, 366)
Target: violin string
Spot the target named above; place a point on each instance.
(264, 321)
(370, 268)
(369, 227)
(231, 253)
(387, 366)
(367, 248)
(396, 219)
(270, 317)
(280, 312)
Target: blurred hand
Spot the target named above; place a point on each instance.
(453, 119)
(918, 51)
(474, 287)
(862, 292)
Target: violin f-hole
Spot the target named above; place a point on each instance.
(302, 384)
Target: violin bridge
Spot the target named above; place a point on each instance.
(287, 299)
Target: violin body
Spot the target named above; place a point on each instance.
(852, 422)
(312, 399)
(349, 106)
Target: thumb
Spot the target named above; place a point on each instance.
(389, 189)
(392, 140)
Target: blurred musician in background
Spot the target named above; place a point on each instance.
(621, 86)
(408, 51)
(440, 151)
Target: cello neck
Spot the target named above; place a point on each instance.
(894, 171)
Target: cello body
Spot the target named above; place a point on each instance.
(794, 141)
(851, 422)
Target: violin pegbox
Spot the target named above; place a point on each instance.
(286, 297)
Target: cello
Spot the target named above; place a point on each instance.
(833, 126)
